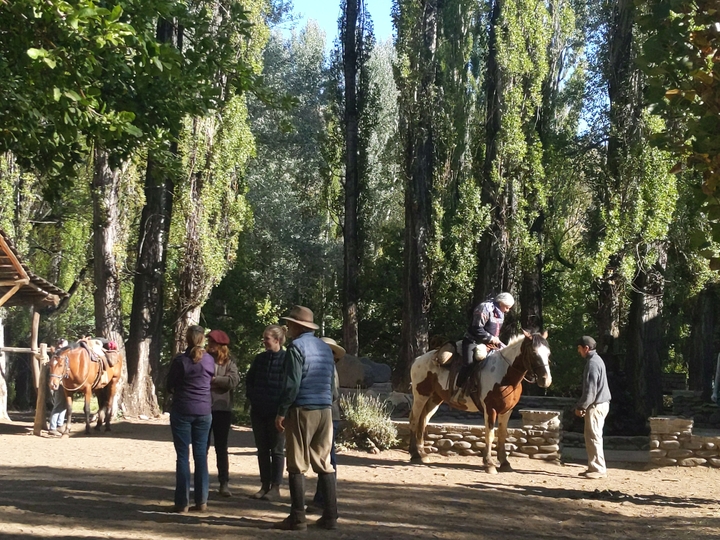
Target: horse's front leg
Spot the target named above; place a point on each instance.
(88, 399)
(68, 412)
(490, 417)
(503, 420)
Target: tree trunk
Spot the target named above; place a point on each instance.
(144, 344)
(493, 274)
(186, 319)
(106, 227)
(419, 168)
(701, 357)
(531, 299)
(352, 182)
(625, 96)
(644, 339)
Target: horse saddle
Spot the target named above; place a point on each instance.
(450, 357)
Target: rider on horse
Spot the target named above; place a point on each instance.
(488, 318)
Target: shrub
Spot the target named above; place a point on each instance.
(367, 423)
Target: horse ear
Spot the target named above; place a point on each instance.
(545, 334)
(527, 334)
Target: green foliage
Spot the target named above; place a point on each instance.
(367, 423)
(79, 73)
(680, 60)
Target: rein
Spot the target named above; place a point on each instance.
(511, 366)
(66, 374)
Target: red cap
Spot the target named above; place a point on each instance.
(219, 337)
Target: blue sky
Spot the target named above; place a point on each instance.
(326, 13)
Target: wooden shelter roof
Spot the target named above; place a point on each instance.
(30, 290)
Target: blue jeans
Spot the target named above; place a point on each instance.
(186, 430)
(57, 416)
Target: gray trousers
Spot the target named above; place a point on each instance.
(594, 423)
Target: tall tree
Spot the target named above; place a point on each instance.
(106, 223)
(357, 39)
(144, 344)
(417, 35)
(351, 40)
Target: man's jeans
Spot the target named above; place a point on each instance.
(186, 430)
(57, 416)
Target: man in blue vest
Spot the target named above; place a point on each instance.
(305, 415)
(484, 330)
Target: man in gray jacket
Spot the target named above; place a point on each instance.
(593, 406)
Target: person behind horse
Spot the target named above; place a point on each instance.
(226, 378)
(264, 383)
(318, 503)
(188, 380)
(305, 414)
(57, 415)
(484, 330)
(593, 406)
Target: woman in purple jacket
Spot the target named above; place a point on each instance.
(190, 418)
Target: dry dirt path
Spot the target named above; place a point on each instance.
(120, 486)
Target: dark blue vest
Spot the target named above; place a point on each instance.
(318, 372)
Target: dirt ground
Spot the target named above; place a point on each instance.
(120, 485)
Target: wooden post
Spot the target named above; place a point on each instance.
(39, 374)
(34, 344)
(3, 371)
(39, 424)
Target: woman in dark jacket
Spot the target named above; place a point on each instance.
(264, 384)
(190, 418)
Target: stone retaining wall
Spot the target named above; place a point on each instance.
(540, 437)
(672, 443)
(689, 404)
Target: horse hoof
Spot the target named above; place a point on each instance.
(418, 459)
(107, 428)
(491, 469)
(506, 467)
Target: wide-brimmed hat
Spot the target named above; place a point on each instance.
(302, 316)
(338, 351)
(219, 337)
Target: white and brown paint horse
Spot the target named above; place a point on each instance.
(498, 389)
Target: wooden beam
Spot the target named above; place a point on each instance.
(17, 350)
(5, 248)
(9, 294)
(13, 282)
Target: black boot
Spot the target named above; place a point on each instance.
(463, 375)
(296, 520)
(327, 483)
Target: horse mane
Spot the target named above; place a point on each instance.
(537, 339)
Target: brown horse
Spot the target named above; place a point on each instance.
(76, 369)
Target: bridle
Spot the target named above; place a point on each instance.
(66, 374)
(527, 363)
